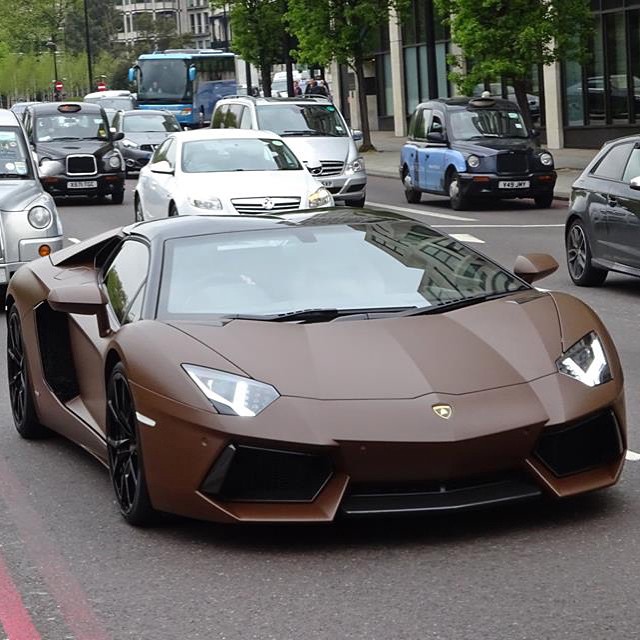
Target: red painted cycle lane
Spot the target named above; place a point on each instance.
(39, 547)
(14, 617)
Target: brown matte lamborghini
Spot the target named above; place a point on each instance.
(305, 366)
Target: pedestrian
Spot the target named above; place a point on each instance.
(297, 91)
(310, 88)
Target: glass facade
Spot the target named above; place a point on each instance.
(601, 98)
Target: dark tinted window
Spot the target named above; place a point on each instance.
(633, 167)
(125, 278)
(613, 164)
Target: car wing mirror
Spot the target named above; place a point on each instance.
(119, 135)
(635, 183)
(356, 134)
(84, 300)
(534, 266)
(436, 136)
(162, 167)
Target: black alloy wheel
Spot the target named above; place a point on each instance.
(22, 406)
(124, 452)
(412, 195)
(458, 200)
(581, 271)
(117, 197)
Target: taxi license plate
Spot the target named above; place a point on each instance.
(83, 184)
(513, 184)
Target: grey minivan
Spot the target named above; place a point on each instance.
(29, 221)
(316, 131)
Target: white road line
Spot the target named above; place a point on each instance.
(424, 212)
(632, 456)
(467, 237)
(496, 226)
(74, 240)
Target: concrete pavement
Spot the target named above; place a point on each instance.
(383, 163)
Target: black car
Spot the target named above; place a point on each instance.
(143, 131)
(602, 232)
(474, 147)
(75, 149)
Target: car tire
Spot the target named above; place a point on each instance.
(117, 197)
(23, 407)
(543, 200)
(359, 203)
(578, 253)
(138, 215)
(173, 210)
(124, 452)
(412, 195)
(459, 202)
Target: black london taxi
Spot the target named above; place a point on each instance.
(474, 147)
(75, 150)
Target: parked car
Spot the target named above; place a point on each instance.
(118, 100)
(29, 222)
(602, 231)
(305, 367)
(226, 171)
(75, 149)
(474, 148)
(143, 132)
(314, 128)
(19, 108)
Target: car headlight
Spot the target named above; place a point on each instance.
(45, 159)
(320, 198)
(473, 161)
(586, 361)
(211, 204)
(39, 217)
(546, 159)
(130, 144)
(114, 162)
(232, 395)
(355, 166)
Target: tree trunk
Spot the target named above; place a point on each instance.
(265, 74)
(358, 67)
(520, 88)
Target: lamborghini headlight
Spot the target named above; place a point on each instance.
(230, 394)
(586, 361)
(211, 204)
(320, 198)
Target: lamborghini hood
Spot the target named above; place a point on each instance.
(487, 346)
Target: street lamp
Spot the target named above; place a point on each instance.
(53, 47)
(88, 44)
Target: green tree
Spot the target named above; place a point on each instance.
(104, 19)
(158, 33)
(340, 30)
(506, 38)
(259, 33)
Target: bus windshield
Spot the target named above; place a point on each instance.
(164, 80)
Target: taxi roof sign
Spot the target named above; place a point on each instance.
(69, 108)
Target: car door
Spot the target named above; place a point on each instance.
(158, 187)
(602, 217)
(414, 146)
(623, 212)
(123, 280)
(435, 152)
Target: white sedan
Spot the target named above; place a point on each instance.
(227, 171)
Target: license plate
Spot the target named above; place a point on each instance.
(83, 184)
(513, 184)
(327, 183)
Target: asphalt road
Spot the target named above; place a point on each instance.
(536, 571)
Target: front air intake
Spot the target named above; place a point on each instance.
(253, 474)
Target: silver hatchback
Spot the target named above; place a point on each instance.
(29, 222)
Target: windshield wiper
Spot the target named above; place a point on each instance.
(321, 314)
(302, 132)
(458, 303)
(64, 138)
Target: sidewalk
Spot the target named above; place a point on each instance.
(384, 162)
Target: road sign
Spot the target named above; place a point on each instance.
(58, 86)
(101, 86)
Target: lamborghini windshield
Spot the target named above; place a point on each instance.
(392, 266)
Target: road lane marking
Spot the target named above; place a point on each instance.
(74, 240)
(41, 550)
(496, 226)
(466, 237)
(424, 212)
(632, 456)
(14, 616)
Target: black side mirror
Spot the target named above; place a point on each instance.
(436, 136)
(535, 133)
(118, 136)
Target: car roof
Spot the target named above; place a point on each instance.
(146, 112)
(186, 226)
(8, 118)
(272, 101)
(473, 101)
(224, 134)
(53, 107)
(112, 93)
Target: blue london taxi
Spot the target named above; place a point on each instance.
(470, 148)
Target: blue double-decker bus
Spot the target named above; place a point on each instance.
(187, 82)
